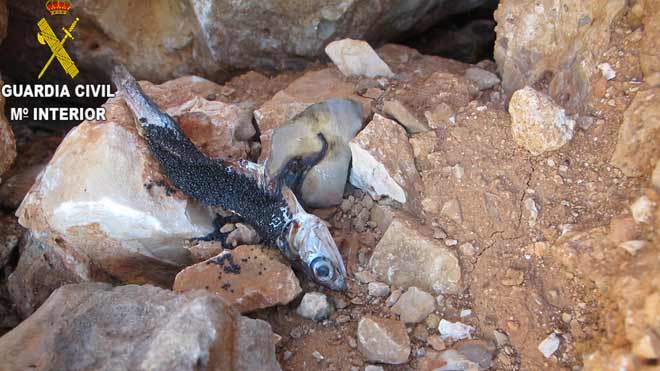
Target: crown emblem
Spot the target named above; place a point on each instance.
(58, 6)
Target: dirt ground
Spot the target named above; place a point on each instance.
(515, 207)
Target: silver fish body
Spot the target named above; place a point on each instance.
(239, 186)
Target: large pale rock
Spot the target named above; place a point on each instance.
(560, 41)
(383, 162)
(407, 256)
(95, 326)
(357, 57)
(216, 38)
(41, 270)
(313, 87)
(338, 120)
(383, 340)
(103, 197)
(537, 123)
(638, 147)
(248, 278)
(7, 141)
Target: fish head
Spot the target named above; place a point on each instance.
(316, 250)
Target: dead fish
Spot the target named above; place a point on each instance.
(266, 203)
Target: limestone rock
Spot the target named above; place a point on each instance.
(406, 256)
(105, 200)
(356, 57)
(414, 305)
(248, 278)
(638, 147)
(314, 306)
(383, 162)
(538, 124)
(484, 79)
(87, 326)
(338, 120)
(399, 112)
(41, 270)
(7, 141)
(383, 340)
(566, 51)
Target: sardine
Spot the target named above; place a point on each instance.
(241, 187)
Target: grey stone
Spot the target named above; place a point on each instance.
(482, 78)
(338, 120)
(96, 326)
(314, 306)
(378, 289)
(414, 305)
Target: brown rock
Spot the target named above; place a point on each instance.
(383, 340)
(14, 188)
(383, 162)
(638, 147)
(7, 141)
(41, 270)
(649, 53)
(87, 326)
(399, 112)
(408, 256)
(562, 54)
(623, 228)
(249, 277)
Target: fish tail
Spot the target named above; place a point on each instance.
(146, 111)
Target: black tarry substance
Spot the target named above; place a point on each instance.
(210, 181)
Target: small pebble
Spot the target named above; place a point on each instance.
(318, 356)
(378, 289)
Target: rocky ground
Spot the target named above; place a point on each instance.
(501, 215)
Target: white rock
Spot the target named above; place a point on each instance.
(383, 162)
(608, 72)
(414, 305)
(314, 306)
(454, 330)
(550, 345)
(374, 368)
(643, 210)
(538, 124)
(103, 195)
(484, 79)
(378, 289)
(633, 246)
(356, 57)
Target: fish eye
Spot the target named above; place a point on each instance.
(323, 271)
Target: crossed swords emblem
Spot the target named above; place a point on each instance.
(47, 36)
